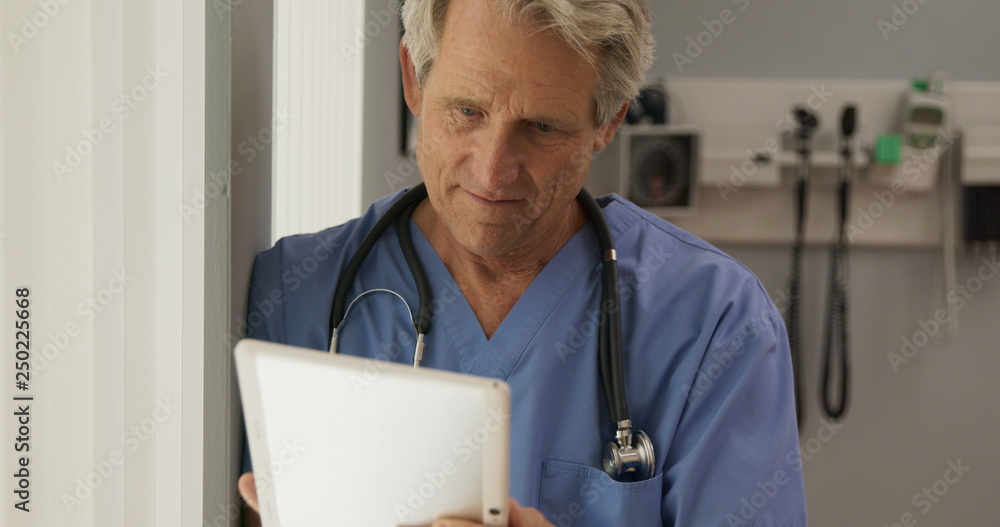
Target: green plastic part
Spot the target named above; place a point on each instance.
(888, 149)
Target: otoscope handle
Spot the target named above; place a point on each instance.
(848, 121)
(842, 192)
(801, 200)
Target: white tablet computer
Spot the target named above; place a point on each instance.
(343, 441)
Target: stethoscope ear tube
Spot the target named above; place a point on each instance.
(411, 197)
(423, 321)
(610, 337)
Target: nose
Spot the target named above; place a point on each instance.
(497, 160)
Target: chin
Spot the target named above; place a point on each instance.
(488, 240)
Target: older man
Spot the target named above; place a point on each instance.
(513, 98)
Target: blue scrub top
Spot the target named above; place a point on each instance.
(707, 365)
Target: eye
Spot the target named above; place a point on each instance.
(542, 127)
(468, 112)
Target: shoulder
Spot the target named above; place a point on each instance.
(684, 257)
(676, 274)
(313, 250)
(292, 283)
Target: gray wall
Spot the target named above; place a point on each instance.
(902, 428)
(222, 443)
(842, 39)
(250, 187)
(381, 162)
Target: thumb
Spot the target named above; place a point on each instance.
(248, 490)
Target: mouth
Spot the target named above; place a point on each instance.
(492, 202)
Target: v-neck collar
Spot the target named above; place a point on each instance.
(497, 356)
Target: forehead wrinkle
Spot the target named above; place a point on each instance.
(461, 87)
(551, 111)
(532, 70)
(555, 105)
(516, 68)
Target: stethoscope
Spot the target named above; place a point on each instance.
(630, 456)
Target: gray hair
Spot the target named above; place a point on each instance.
(619, 31)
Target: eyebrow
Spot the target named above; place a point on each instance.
(468, 102)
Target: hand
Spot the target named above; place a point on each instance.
(519, 517)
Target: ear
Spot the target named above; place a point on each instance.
(604, 134)
(411, 90)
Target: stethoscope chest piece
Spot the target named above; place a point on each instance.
(630, 458)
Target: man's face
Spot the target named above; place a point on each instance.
(506, 130)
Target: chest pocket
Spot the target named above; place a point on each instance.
(582, 496)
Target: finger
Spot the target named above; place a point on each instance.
(514, 517)
(446, 522)
(533, 518)
(248, 490)
(525, 516)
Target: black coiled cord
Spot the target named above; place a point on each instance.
(794, 285)
(835, 339)
(835, 331)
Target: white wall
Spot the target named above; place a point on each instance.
(126, 255)
(319, 52)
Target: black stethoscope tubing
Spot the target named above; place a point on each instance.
(395, 211)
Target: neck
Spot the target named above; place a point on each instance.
(520, 264)
(493, 284)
